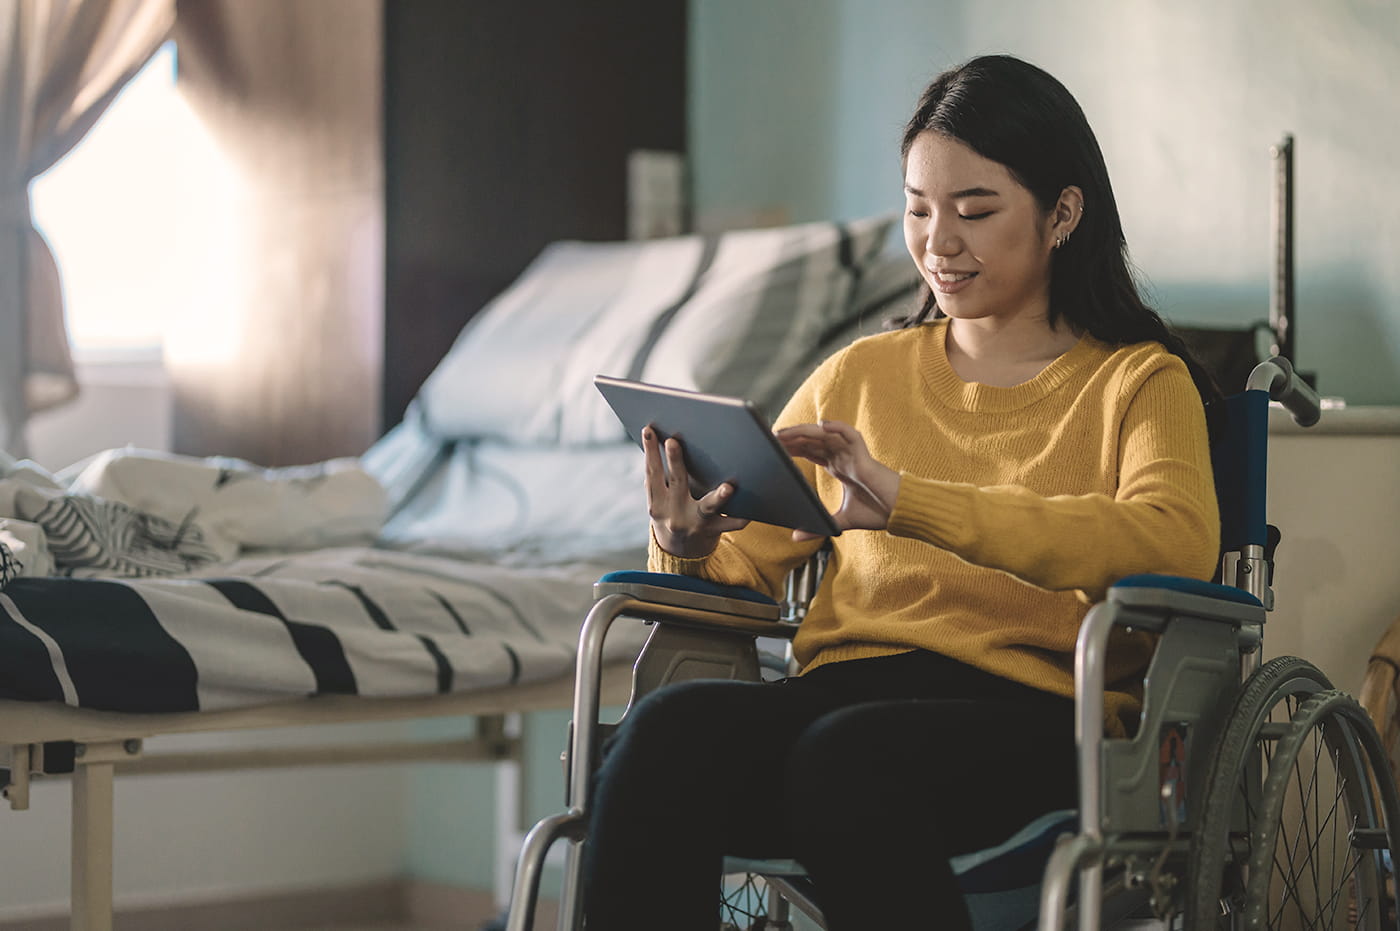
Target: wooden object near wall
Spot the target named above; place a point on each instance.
(290, 92)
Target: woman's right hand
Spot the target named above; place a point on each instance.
(683, 526)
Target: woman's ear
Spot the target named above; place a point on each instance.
(1066, 214)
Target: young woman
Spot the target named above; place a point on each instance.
(1030, 436)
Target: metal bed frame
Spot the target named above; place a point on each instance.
(48, 739)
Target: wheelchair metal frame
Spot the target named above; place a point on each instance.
(1206, 649)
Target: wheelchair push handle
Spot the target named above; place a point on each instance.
(1276, 376)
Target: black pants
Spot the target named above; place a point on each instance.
(870, 772)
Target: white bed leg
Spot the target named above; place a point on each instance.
(510, 808)
(92, 846)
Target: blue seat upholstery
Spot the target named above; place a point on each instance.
(686, 583)
(1176, 583)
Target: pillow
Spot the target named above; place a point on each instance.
(731, 314)
(890, 287)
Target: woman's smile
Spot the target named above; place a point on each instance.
(951, 282)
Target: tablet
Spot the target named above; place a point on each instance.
(725, 440)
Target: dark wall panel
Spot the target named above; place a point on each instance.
(507, 126)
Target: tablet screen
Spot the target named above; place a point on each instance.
(725, 440)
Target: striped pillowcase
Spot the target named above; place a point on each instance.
(733, 314)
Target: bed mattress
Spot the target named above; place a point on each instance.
(345, 621)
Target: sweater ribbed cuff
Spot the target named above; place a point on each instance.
(932, 511)
(658, 560)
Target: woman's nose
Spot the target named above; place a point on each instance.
(941, 239)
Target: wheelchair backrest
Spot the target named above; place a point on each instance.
(1239, 458)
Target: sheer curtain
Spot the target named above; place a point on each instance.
(61, 63)
(283, 365)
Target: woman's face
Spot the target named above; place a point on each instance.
(980, 240)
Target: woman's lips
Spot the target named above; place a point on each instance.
(952, 282)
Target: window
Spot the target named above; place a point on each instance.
(141, 220)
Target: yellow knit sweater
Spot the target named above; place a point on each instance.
(1017, 507)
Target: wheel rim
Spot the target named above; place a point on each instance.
(1310, 863)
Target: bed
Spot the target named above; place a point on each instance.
(443, 573)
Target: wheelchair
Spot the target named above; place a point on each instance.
(1251, 795)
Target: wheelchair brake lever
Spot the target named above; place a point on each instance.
(1272, 538)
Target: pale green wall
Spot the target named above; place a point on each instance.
(798, 105)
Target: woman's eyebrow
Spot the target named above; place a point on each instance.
(957, 195)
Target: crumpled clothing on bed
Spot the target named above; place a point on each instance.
(131, 513)
(93, 536)
(240, 506)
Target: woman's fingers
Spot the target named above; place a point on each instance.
(810, 441)
(668, 493)
(654, 470)
(849, 435)
(711, 510)
(869, 488)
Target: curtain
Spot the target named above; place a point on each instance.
(62, 62)
(290, 94)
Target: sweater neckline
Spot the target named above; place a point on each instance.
(949, 388)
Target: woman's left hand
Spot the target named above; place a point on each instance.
(870, 487)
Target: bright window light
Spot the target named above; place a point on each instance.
(140, 217)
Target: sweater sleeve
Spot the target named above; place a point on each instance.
(759, 556)
(1162, 518)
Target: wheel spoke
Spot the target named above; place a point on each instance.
(1342, 883)
(1291, 872)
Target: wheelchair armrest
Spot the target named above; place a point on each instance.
(683, 599)
(1145, 602)
(1149, 601)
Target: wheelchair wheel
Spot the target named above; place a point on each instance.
(1292, 828)
(1329, 865)
(1228, 798)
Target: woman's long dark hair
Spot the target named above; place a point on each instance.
(1016, 114)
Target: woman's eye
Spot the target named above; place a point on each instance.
(976, 216)
(917, 213)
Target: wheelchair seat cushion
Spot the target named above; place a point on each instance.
(1189, 587)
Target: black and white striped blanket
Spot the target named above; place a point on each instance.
(352, 621)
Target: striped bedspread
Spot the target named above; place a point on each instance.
(350, 621)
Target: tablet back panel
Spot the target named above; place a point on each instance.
(725, 440)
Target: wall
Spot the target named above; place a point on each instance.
(185, 840)
(120, 404)
(1336, 498)
(798, 106)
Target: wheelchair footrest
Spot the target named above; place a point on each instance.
(1016, 862)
